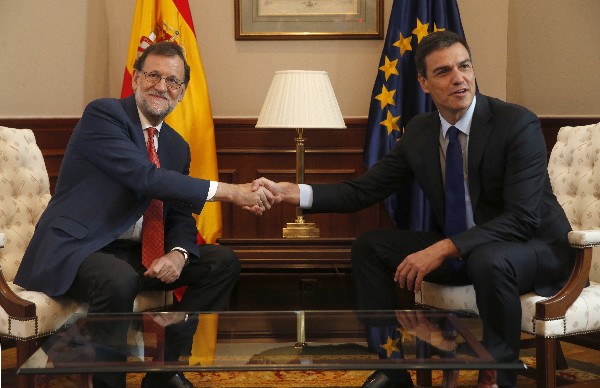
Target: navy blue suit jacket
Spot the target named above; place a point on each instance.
(105, 184)
(509, 186)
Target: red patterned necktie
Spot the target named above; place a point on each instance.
(153, 227)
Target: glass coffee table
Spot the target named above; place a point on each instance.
(421, 340)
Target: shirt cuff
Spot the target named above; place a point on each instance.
(306, 196)
(212, 190)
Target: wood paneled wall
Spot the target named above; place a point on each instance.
(245, 153)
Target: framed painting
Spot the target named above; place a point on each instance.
(308, 19)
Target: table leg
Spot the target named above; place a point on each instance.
(450, 378)
(487, 379)
(300, 330)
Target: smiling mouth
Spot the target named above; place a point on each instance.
(158, 96)
(460, 92)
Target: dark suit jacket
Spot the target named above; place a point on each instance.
(105, 184)
(510, 190)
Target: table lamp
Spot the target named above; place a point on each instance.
(300, 99)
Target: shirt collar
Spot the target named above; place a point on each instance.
(146, 123)
(464, 124)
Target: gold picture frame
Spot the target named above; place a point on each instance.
(308, 19)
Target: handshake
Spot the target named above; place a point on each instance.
(258, 196)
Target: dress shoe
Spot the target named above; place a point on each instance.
(178, 380)
(380, 380)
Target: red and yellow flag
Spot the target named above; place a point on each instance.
(159, 20)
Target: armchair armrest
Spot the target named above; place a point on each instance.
(10, 302)
(557, 305)
(584, 238)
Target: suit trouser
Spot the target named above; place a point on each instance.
(110, 279)
(499, 272)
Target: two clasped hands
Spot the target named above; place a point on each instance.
(264, 193)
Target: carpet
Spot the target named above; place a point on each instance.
(351, 379)
(579, 372)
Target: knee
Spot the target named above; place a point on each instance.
(488, 264)
(362, 247)
(115, 292)
(229, 262)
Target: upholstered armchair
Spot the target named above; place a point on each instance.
(574, 169)
(28, 316)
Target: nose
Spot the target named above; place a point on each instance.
(161, 85)
(457, 76)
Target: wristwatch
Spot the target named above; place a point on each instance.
(185, 253)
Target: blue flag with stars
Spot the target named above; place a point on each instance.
(397, 95)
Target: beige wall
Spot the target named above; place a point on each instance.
(554, 61)
(56, 55)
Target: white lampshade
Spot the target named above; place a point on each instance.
(300, 99)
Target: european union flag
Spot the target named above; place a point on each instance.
(397, 96)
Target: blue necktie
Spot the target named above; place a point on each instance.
(456, 207)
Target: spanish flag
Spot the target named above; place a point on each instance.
(159, 20)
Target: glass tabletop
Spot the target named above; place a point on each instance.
(266, 340)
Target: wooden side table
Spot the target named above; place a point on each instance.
(297, 274)
(293, 274)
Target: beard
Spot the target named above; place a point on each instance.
(154, 111)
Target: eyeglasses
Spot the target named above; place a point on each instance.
(154, 78)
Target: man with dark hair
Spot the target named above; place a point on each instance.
(121, 161)
(482, 164)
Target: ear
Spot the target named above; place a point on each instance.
(423, 83)
(183, 89)
(134, 79)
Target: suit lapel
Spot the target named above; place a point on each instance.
(481, 130)
(165, 137)
(137, 135)
(433, 185)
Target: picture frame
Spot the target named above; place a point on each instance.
(308, 19)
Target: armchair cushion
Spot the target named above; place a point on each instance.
(582, 317)
(51, 313)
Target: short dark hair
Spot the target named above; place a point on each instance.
(167, 49)
(436, 41)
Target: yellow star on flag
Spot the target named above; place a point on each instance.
(391, 122)
(421, 30)
(389, 67)
(386, 97)
(403, 44)
(390, 346)
(404, 334)
(435, 29)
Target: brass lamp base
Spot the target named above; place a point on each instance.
(300, 229)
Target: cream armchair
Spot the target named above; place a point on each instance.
(574, 170)
(28, 316)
